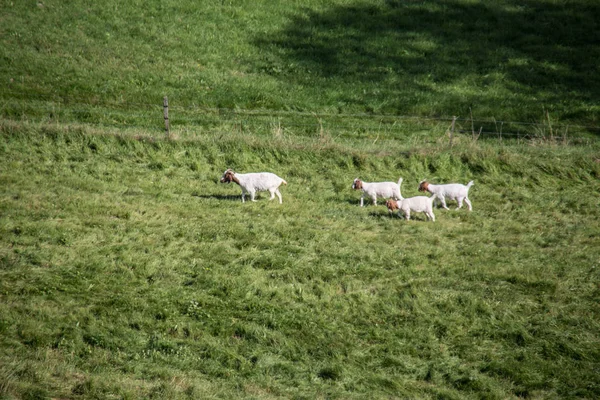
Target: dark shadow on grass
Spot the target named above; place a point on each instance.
(419, 217)
(353, 202)
(218, 197)
(232, 197)
(380, 215)
(525, 55)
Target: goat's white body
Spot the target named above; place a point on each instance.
(422, 204)
(384, 190)
(259, 181)
(452, 191)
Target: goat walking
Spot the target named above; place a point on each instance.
(422, 204)
(453, 191)
(374, 190)
(255, 182)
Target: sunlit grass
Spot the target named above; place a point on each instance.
(129, 271)
(109, 63)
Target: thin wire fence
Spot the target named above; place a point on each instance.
(143, 115)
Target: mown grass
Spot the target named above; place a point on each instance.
(111, 63)
(128, 271)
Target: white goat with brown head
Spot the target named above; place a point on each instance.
(255, 182)
(453, 191)
(385, 190)
(422, 204)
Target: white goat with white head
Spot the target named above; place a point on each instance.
(385, 190)
(452, 191)
(255, 182)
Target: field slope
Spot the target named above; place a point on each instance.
(111, 63)
(128, 271)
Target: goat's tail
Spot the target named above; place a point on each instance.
(284, 182)
(400, 188)
(434, 196)
(471, 183)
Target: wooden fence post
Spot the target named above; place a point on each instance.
(166, 114)
(452, 130)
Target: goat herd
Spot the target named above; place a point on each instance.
(267, 181)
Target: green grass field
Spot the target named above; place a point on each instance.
(111, 63)
(128, 271)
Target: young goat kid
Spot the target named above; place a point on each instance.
(374, 190)
(453, 191)
(254, 182)
(422, 204)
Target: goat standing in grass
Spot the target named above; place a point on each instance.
(385, 190)
(422, 204)
(255, 182)
(453, 191)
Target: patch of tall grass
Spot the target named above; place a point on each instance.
(127, 270)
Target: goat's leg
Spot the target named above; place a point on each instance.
(468, 203)
(278, 193)
(443, 201)
(243, 195)
(252, 193)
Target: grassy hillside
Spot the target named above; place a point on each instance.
(128, 271)
(111, 62)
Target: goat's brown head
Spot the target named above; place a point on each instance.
(357, 185)
(227, 176)
(423, 185)
(392, 205)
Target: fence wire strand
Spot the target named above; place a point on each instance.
(125, 113)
